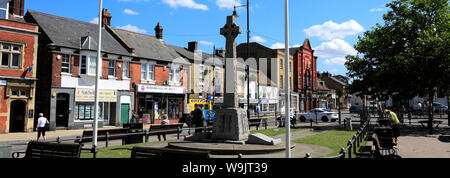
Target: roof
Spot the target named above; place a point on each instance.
(190, 55)
(71, 33)
(150, 47)
(66, 32)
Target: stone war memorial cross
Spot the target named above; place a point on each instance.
(231, 122)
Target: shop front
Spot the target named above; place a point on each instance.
(155, 101)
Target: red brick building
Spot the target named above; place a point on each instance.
(138, 73)
(305, 79)
(18, 55)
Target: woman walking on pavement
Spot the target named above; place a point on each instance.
(41, 126)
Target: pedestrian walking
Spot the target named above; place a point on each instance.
(197, 118)
(42, 126)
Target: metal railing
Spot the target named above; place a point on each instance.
(352, 144)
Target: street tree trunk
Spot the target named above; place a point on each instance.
(430, 112)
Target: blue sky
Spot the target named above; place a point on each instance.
(332, 26)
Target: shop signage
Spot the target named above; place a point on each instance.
(160, 89)
(88, 95)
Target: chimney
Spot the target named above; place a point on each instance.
(192, 46)
(220, 52)
(159, 31)
(106, 18)
(16, 7)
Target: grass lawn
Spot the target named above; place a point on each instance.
(334, 139)
(275, 131)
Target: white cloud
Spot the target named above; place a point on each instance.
(94, 20)
(185, 3)
(334, 70)
(376, 10)
(278, 46)
(132, 28)
(258, 39)
(208, 43)
(130, 12)
(333, 48)
(228, 4)
(335, 61)
(330, 30)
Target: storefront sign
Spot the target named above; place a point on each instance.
(88, 95)
(267, 101)
(160, 89)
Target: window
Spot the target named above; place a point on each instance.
(126, 69)
(92, 65)
(147, 71)
(281, 81)
(290, 66)
(11, 56)
(112, 68)
(143, 71)
(65, 65)
(4, 10)
(85, 111)
(174, 74)
(202, 70)
(281, 63)
(83, 68)
(88, 65)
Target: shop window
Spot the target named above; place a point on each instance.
(85, 111)
(11, 56)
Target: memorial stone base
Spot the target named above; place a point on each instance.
(231, 124)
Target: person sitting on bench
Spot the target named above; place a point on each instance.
(394, 122)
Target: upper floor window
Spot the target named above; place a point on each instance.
(126, 69)
(11, 56)
(174, 73)
(148, 71)
(88, 65)
(281, 63)
(202, 70)
(65, 63)
(4, 10)
(112, 68)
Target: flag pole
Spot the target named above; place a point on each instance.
(287, 83)
(97, 77)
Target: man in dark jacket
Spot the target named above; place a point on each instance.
(197, 118)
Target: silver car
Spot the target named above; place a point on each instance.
(321, 114)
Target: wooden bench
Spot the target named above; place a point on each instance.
(169, 153)
(165, 129)
(50, 150)
(383, 152)
(254, 122)
(104, 135)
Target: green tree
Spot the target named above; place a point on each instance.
(407, 56)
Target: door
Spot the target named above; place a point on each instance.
(17, 116)
(62, 110)
(124, 113)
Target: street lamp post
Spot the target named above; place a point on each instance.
(287, 83)
(97, 77)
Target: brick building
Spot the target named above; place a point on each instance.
(305, 76)
(18, 52)
(140, 73)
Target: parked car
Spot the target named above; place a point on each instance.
(438, 107)
(320, 114)
(356, 109)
